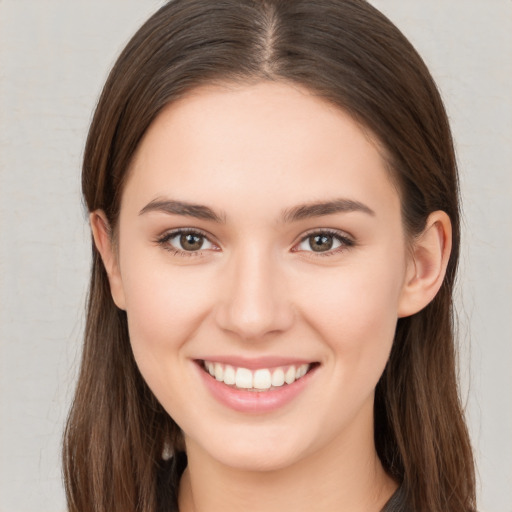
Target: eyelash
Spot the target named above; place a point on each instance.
(345, 241)
(163, 241)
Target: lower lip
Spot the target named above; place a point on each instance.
(254, 401)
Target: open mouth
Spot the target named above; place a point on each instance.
(259, 380)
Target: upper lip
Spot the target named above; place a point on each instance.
(254, 363)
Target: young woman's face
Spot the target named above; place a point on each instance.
(260, 237)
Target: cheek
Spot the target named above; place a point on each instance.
(165, 308)
(164, 304)
(355, 310)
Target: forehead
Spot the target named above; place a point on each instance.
(263, 144)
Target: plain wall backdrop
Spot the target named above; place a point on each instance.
(54, 57)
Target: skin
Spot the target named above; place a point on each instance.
(256, 288)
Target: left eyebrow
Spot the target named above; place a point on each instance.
(172, 207)
(308, 210)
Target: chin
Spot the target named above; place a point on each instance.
(256, 452)
(261, 460)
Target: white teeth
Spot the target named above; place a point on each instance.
(278, 378)
(243, 378)
(219, 371)
(289, 376)
(301, 371)
(229, 375)
(261, 379)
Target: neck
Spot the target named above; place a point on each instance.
(345, 475)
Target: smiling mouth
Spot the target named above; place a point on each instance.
(260, 380)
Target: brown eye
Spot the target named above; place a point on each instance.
(321, 243)
(191, 241)
(324, 242)
(185, 242)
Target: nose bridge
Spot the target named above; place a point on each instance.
(255, 302)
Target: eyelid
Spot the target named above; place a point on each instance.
(165, 237)
(345, 238)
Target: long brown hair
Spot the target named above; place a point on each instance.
(348, 53)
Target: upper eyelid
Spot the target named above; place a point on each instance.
(330, 231)
(178, 231)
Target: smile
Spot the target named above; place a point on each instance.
(262, 379)
(257, 390)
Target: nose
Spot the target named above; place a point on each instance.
(254, 302)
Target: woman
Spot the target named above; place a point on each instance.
(273, 198)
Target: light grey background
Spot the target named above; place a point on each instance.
(54, 56)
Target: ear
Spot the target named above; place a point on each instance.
(102, 235)
(427, 264)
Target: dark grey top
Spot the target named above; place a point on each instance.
(397, 502)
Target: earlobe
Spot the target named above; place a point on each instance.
(427, 264)
(103, 241)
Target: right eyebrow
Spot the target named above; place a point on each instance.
(173, 207)
(308, 210)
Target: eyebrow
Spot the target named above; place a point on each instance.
(290, 215)
(173, 207)
(306, 211)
